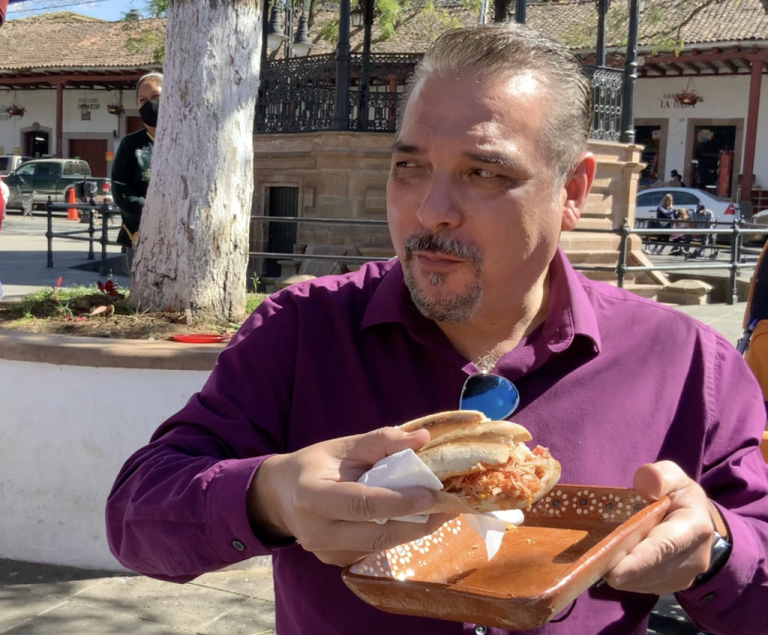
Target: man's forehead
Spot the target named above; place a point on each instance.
(487, 112)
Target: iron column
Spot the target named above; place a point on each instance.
(630, 75)
(341, 110)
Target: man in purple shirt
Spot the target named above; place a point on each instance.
(488, 167)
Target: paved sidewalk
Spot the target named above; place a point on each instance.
(46, 600)
(23, 256)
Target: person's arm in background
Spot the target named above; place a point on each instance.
(126, 196)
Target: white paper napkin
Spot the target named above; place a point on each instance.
(405, 469)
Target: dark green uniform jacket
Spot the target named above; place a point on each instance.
(130, 180)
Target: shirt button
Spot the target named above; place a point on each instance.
(708, 597)
(481, 630)
(238, 545)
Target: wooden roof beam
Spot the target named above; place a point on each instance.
(655, 68)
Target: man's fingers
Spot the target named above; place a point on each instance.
(654, 480)
(378, 444)
(356, 502)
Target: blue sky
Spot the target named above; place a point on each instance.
(104, 9)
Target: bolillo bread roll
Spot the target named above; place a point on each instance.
(483, 465)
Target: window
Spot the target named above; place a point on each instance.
(46, 170)
(27, 169)
(685, 198)
(649, 199)
(85, 169)
(68, 169)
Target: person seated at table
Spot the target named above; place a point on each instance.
(490, 164)
(678, 240)
(665, 213)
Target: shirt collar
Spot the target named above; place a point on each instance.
(570, 311)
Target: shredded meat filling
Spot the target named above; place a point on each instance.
(519, 479)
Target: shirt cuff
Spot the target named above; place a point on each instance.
(719, 596)
(227, 518)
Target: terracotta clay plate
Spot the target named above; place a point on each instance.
(570, 539)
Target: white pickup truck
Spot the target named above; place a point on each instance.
(9, 162)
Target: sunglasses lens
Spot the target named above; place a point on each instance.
(496, 397)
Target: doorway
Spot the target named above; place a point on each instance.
(712, 165)
(37, 143)
(708, 168)
(652, 135)
(281, 237)
(132, 124)
(93, 151)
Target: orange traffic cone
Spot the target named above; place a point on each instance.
(72, 212)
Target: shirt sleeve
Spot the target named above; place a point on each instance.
(735, 477)
(178, 506)
(126, 196)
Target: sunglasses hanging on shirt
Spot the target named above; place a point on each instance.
(495, 396)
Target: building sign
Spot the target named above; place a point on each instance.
(88, 103)
(672, 100)
(110, 156)
(4, 113)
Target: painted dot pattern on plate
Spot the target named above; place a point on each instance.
(399, 561)
(567, 503)
(590, 504)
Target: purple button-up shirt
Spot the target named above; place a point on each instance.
(608, 382)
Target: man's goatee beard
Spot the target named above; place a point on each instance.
(449, 309)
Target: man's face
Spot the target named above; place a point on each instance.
(472, 207)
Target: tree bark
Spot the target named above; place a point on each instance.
(192, 250)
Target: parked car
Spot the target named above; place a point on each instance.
(55, 177)
(648, 200)
(9, 162)
(760, 219)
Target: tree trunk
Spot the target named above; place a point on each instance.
(193, 243)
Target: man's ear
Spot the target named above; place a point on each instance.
(576, 190)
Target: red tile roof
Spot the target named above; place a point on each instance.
(69, 41)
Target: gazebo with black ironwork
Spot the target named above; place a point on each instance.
(325, 125)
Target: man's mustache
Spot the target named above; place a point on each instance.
(442, 244)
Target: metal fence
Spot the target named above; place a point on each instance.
(86, 234)
(298, 94)
(735, 231)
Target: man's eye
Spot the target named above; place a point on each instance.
(484, 174)
(405, 164)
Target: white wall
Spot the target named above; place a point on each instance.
(65, 431)
(41, 108)
(724, 98)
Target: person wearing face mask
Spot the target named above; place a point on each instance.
(131, 170)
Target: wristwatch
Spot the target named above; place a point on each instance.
(721, 550)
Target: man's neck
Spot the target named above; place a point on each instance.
(492, 334)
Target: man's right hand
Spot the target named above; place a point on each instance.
(312, 495)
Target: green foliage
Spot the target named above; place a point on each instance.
(143, 36)
(253, 300)
(661, 24)
(61, 302)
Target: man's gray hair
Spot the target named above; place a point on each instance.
(506, 50)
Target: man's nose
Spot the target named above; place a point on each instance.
(439, 207)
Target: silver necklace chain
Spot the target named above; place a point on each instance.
(486, 363)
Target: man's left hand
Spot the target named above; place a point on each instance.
(677, 549)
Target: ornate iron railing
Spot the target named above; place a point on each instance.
(607, 85)
(298, 94)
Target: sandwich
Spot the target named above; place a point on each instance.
(483, 465)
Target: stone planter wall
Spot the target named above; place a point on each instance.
(72, 410)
